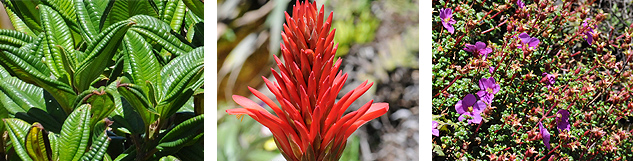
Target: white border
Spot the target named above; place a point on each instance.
(425, 18)
(210, 77)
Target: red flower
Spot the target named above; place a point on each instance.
(308, 124)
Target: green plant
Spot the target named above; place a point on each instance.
(102, 80)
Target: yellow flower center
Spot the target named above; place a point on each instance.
(447, 19)
(470, 108)
(489, 90)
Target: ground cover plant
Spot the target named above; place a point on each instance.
(532, 80)
(102, 80)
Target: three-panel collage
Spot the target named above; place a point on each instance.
(316, 80)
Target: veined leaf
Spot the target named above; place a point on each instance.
(183, 134)
(31, 70)
(14, 38)
(98, 147)
(57, 34)
(75, 134)
(134, 95)
(160, 32)
(123, 10)
(174, 14)
(37, 145)
(102, 102)
(27, 11)
(141, 59)
(100, 54)
(53, 139)
(18, 24)
(195, 6)
(17, 130)
(182, 76)
(24, 95)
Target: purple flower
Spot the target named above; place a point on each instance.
(471, 107)
(488, 89)
(545, 135)
(588, 33)
(550, 79)
(562, 120)
(530, 42)
(447, 19)
(435, 131)
(478, 48)
(520, 4)
(491, 69)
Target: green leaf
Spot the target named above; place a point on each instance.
(100, 54)
(123, 10)
(53, 140)
(134, 95)
(174, 14)
(75, 134)
(161, 33)
(195, 6)
(27, 12)
(30, 69)
(37, 143)
(18, 24)
(183, 134)
(182, 76)
(57, 34)
(14, 38)
(169, 158)
(24, 95)
(127, 155)
(98, 148)
(17, 130)
(102, 103)
(141, 59)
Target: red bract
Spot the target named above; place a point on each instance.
(308, 124)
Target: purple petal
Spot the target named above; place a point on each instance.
(479, 107)
(485, 51)
(491, 69)
(533, 42)
(476, 119)
(483, 84)
(584, 23)
(452, 21)
(588, 37)
(520, 4)
(524, 37)
(545, 135)
(461, 117)
(480, 45)
(469, 48)
(459, 107)
(450, 28)
(481, 93)
(434, 129)
(469, 100)
(562, 123)
(443, 14)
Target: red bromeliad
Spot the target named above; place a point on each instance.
(309, 125)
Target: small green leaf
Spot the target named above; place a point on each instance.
(17, 130)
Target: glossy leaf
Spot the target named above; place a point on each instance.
(195, 6)
(57, 34)
(17, 130)
(99, 55)
(144, 65)
(183, 134)
(181, 77)
(75, 134)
